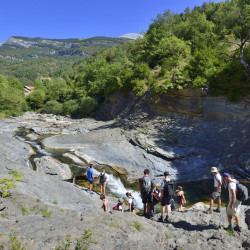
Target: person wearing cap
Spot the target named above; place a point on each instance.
(217, 190)
(167, 193)
(233, 207)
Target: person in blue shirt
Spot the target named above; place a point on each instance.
(90, 174)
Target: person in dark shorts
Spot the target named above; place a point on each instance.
(90, 175)
(102, 181)
(167, 193)
(146, 188)
(217, 190)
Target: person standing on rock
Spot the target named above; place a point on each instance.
(233, 207)
(90, 174)
(102, 182)
(217, 191)
(167, 193)
(146, 188)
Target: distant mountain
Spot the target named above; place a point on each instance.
(132, 36)
(19, 48)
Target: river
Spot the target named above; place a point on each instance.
(117, 185)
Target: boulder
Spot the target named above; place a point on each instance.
(52, 166)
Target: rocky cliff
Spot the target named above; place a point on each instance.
(190, 130)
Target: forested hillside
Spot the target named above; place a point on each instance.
(207, 47)
(29, 58)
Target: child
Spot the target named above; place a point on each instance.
(105, 202)
(132, 202)
(156, 199)
(180, 198)
(102, 181)
(118, 207)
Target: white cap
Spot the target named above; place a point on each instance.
(214, 170)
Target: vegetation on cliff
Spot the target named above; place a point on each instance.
(207, 47)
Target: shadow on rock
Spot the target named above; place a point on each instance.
(189, 227)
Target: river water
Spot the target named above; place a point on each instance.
(117, 185)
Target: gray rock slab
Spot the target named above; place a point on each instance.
(52, 166)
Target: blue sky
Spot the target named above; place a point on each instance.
(82, 18)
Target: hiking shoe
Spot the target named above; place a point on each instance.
(209, 211)
(238, 229)
(166, 219)
(160, 219)
(217, 210)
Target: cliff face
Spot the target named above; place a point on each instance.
(198, 130)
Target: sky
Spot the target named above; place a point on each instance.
(82, 18)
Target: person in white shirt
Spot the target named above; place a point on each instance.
(233, 207)
(217, 190)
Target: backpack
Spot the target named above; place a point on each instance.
(146, 185)
(241, 191)
(102, 178)
(168, 190)
(156, 194)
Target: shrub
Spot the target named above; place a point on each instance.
(36, 99)
(52, 107)
(86, 106)
(70, 107)
(8, 184)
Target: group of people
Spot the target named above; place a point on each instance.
(165, 195)
(233, 207)
(152, 195)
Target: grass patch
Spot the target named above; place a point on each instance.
(24, 210)
(113, 224)
(55, 202)
(15, 243)
(38, 200)
(4, 214)
(46, 213)
(62, 210)
(1, 244)
(33, 209)
(167, 235)
(84, 240)
(230, 232)
(136, 225)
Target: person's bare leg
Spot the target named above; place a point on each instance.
(101, 188)
(237, 218)
(104, 189)
(219, 203)
(162, 211)
(230, 220)
(90, 187)
(168, 210)
(211, 203)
